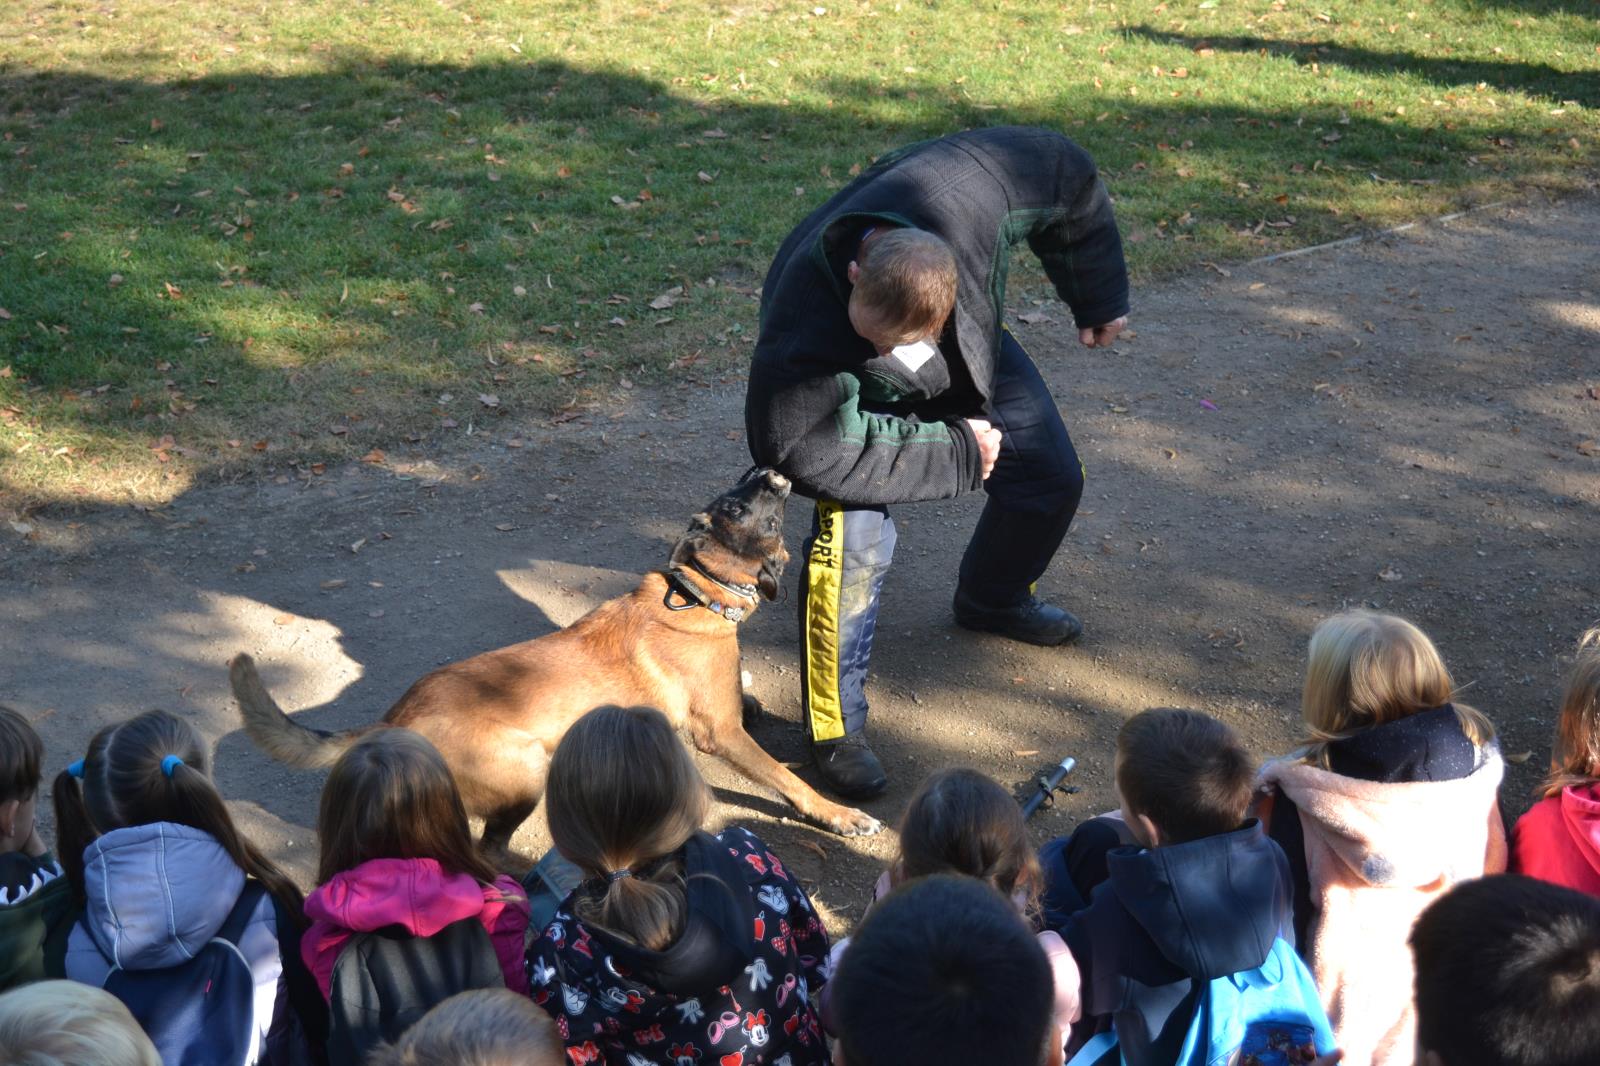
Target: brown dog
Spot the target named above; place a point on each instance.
(672, 643)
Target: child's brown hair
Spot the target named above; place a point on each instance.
(622, 797)
(152, 768)
(1575, 759)
(21, 753)
(391, 796)
(962, 822)
(1185, 771)
(907, 283)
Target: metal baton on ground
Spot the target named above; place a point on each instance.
(1047, 784)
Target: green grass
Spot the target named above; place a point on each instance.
(228, 230)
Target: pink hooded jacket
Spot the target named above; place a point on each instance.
(419, 896)
(1559, 839)
(1377, 853)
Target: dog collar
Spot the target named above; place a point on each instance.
(695, 596)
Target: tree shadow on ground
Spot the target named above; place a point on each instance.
(226, 257)
(1533, 78)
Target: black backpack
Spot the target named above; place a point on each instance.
(200, 1012)
(384, 981)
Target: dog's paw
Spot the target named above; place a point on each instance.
(853, 823)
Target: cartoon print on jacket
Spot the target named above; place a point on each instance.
(734, 990)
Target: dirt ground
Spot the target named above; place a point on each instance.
(1407, 424)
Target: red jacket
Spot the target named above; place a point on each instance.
(1559, 839)
(420, 896)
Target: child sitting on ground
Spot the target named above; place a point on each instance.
(680, 947)
(34, 895)
(63, 1023)
(944, 970)
(962, 822)
(1508, 974)
(1205, 897)
(1558, 840)
(485, 1027)
(161, 873)
(1393, 801)
(397, 856)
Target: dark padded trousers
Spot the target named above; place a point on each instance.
(1033, 493)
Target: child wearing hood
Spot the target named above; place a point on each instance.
(1558, 840)
(1393, 801)
(1204, 895)
(35, 899)
(681, 948)
(158, 867)
(397, 851)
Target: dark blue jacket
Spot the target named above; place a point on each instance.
(846, 424)
(1167, 921)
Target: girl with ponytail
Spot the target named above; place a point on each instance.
(680, 946)
(157, 867)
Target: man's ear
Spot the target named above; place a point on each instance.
(770, 576)
(693, 537)
(853, 271)
(8, 817)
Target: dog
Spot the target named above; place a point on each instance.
(672, 643)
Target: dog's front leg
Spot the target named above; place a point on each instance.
(728, 741)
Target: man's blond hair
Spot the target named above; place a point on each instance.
(907, 282)
(64, 1023)
(487, 1027)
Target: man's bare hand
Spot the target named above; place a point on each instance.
(988, 443)
(1102, 336)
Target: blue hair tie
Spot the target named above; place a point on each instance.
(617, 875)
(76, 769)
(170, 763)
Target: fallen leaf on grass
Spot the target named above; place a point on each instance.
(489, 399)
(375, 457)
(338, 431)
(475, 308)
(1220, 270)
(4, 314)
(706, 178)
(666, 299)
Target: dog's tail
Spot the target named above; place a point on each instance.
(275, 732)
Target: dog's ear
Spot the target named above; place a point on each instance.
(769, 577)
(692, 539)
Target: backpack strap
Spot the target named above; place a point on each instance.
(244, 908)
(1096, 1048)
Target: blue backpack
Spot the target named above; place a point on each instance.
(201, 1012)
(1269, 1016)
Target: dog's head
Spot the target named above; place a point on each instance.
(739, 538)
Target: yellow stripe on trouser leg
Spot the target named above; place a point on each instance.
(824, 577)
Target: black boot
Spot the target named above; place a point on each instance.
(849, 768)
(1032, 621)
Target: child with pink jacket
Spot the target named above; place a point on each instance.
(1393, 801)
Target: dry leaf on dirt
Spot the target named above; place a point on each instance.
(1389, 573)
(1589, 447)
(1034, 318)
(375, 457)
(335, 583)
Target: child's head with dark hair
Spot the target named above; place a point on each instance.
(21, 752)
(962, 822)
(151, 768)
(391, 796)
(945, 970)
(622, 797)
(1182, 775)
(1508, 974)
